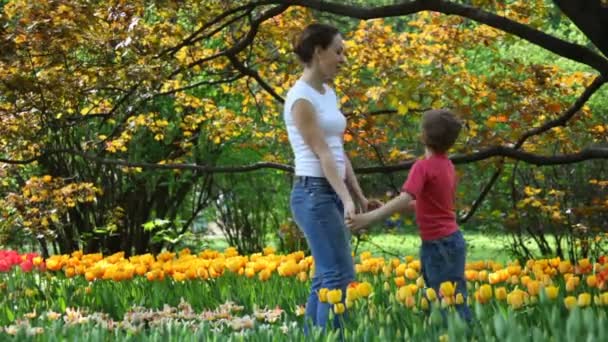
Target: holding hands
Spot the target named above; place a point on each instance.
(367, 205)
(357, 221)
(378, 211)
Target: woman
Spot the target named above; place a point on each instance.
(320, 199)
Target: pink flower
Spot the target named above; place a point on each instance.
(4, 265)
(26, 266)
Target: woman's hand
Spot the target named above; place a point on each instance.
(368, 205)
(360, 221)
(349, 208)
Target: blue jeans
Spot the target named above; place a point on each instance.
(319, 213)
(444, 260)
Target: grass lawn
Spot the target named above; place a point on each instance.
(481, 245)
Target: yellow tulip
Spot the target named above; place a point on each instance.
(533, 287)
(431, 294)
(351, 293)
(604, 298)
(500, 293)
(570, 302)
(263, 275)
(446, 301)
(400, 270)
(584, 263)
(485, 291)
(459, 298)
(89, 276)
(387, 286)
(564, 267)
(403, 293)
(410, 301)
(420, 282)
(339, 308)
(334, 296)
(584, 299)
(364, 289)
(411, 274)
(447, 289)
(514, 270)
(572, 283)
(178, 276)
(399, 281)
(516, 298)
(387, 270)
(37, 261)
(471, 275)
(591, 280)
(494, 278)
(424, 303)
(597, 300)
(323, 295)
(551, 291)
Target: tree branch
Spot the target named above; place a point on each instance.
(556, 45)
(503, 151)
(192, 38)
(560, 121)
(567, 115)
(590, 16)
(241, 44)
(496, 151)
(482, 196)
(198, 84)
(252, 73)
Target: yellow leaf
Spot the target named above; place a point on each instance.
(413, 104)
(402, 109)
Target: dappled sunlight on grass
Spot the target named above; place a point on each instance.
(480, 246)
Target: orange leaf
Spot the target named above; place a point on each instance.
(501, 118)
(554, 107)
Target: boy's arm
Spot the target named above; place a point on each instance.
(398, 204)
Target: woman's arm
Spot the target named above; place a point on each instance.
(351, 181)
(353, 185)
(306, 123)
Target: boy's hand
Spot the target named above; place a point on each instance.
(412, 206)
(358, 222)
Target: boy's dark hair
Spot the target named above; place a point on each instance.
(312, 36)
(440, 129)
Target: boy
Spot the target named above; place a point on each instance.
(432, 184)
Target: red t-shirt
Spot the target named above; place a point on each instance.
(432, 182)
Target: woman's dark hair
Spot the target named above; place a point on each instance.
(312, 36)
